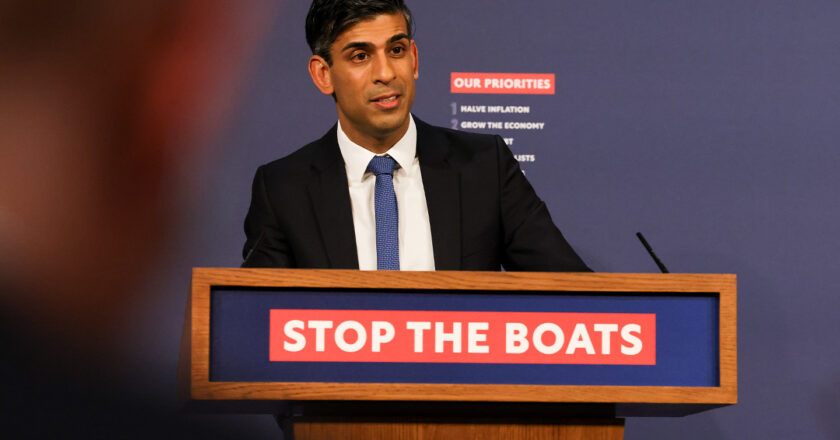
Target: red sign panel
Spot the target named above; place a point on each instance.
(462, 337)
(503, 83)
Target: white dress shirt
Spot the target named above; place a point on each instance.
(415, 233)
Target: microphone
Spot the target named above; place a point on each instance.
(652, 254)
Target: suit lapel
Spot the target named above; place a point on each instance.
(441, 184)
(331, 203)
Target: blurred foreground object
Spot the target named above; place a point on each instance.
(103, 108)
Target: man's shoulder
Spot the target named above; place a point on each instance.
(457, 137)
(300, 157)
(456, 145)
(301, 160)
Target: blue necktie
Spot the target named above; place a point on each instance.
(385, 208)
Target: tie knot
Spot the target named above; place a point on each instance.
(382, 165)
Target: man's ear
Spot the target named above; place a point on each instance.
(319, 70)
(416, 60)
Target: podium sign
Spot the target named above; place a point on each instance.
(337, 335)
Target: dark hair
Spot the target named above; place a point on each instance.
(327, 19)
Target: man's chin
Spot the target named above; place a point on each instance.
(391, 123)
(379, 126)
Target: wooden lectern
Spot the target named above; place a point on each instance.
(340, 354)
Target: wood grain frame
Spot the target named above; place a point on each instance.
(194, 368)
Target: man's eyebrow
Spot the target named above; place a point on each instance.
(399, 37)
(357, 45)
(367, 45)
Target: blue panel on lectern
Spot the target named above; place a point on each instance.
(686, 337)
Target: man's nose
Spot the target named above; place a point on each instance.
(383, 70)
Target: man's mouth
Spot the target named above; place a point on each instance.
(387, 102)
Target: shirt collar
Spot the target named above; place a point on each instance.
(357, 158)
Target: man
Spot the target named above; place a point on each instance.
(384, 190)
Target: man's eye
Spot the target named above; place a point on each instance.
(361, 56)
(398, 50)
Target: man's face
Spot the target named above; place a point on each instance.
(372, 76)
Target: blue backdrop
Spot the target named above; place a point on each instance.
(710, 126)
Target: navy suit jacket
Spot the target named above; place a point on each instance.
(484, 214)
